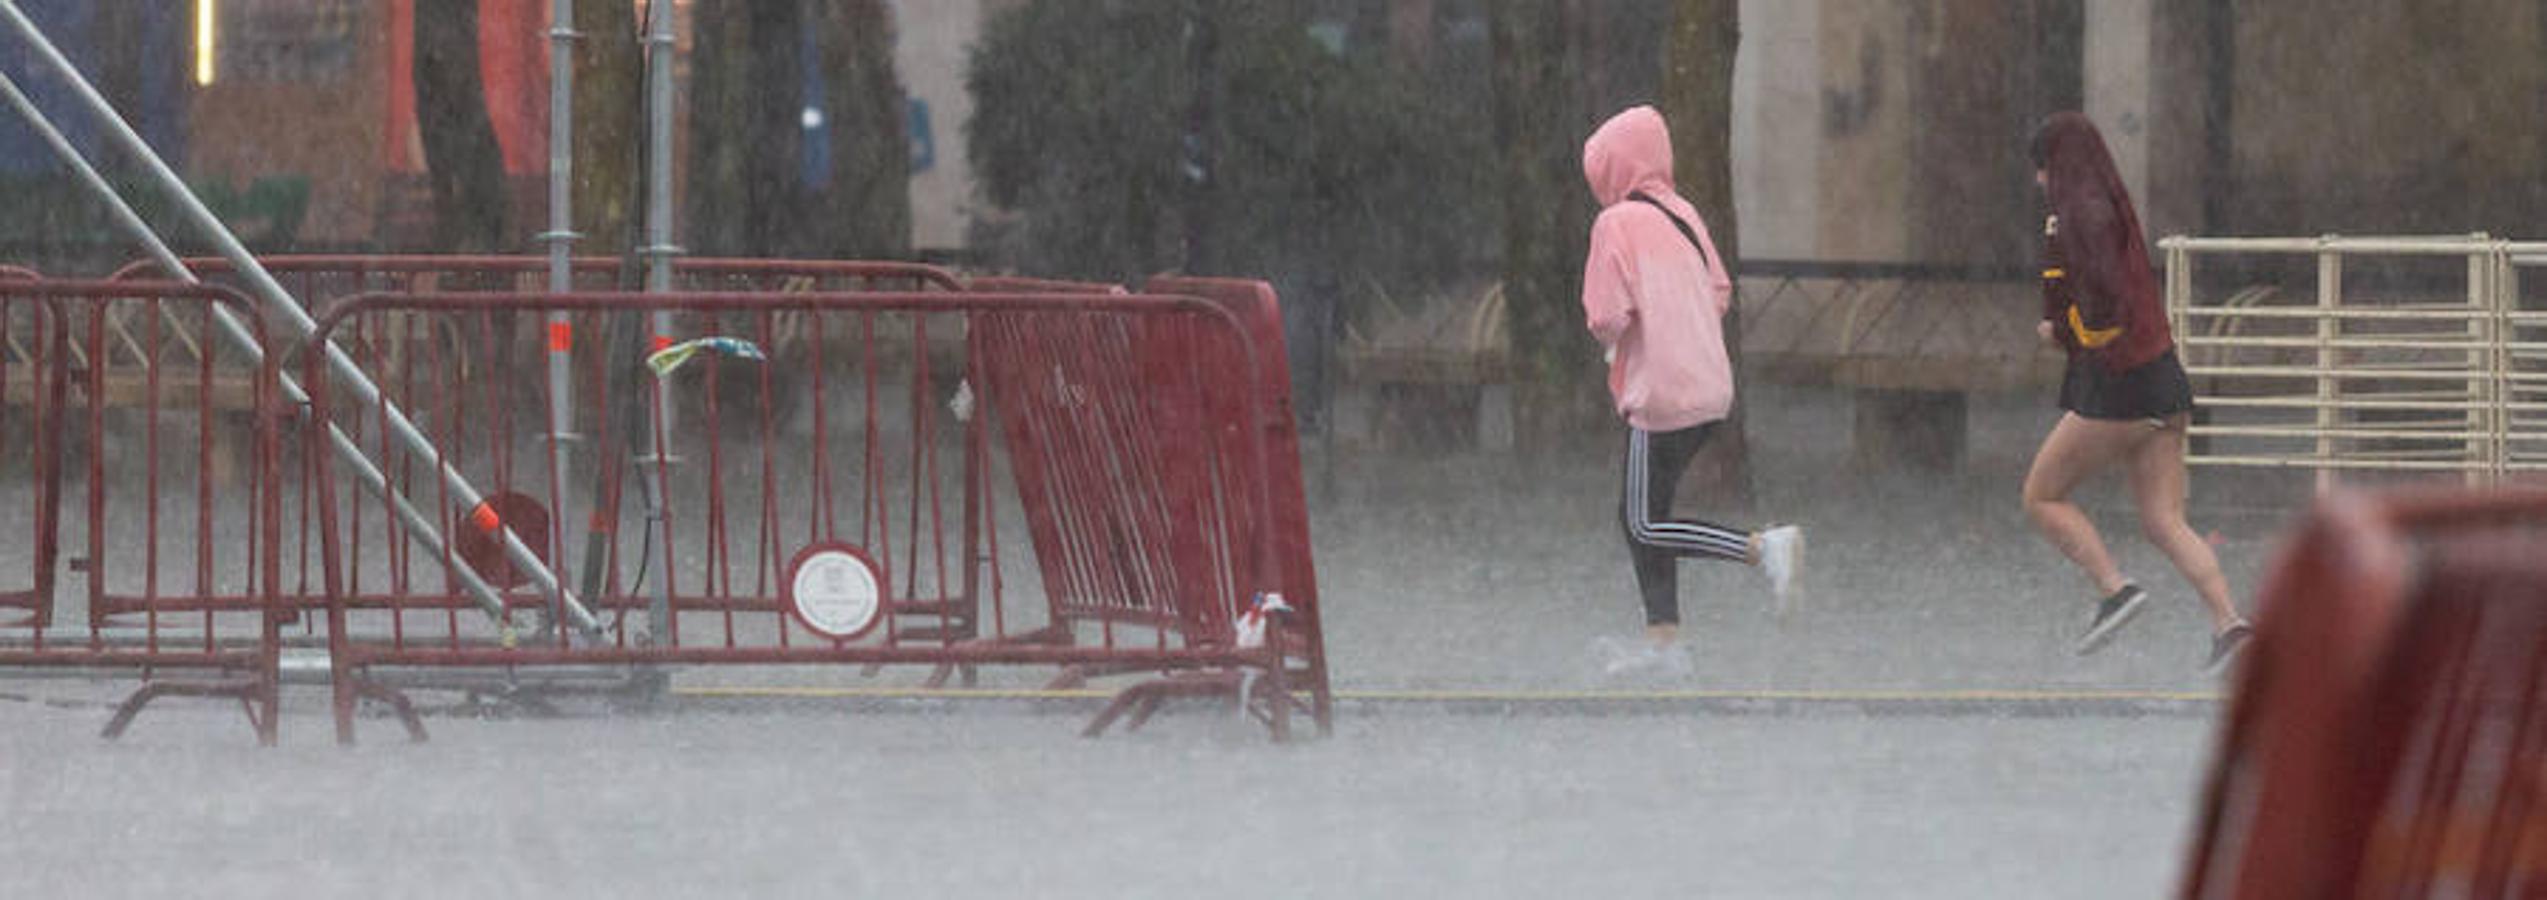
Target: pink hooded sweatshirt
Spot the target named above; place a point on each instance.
(1648, 296)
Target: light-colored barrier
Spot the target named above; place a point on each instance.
(2414, 374)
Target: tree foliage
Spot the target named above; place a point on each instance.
(463, 164)
(1538, 119)
(1221, 137)
(609, 83)
(798, 141)
(866, 202)
(1697, 89)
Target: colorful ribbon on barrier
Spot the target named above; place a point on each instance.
(665, 360)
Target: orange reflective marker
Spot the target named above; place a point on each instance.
(484, 518)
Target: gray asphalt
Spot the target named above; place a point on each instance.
(1447, 574)
(979, 804)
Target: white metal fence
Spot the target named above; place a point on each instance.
(2438, 365)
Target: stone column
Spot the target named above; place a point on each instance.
(2118, 68)
(1777, 133)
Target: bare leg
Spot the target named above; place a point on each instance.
(2076, 449)
(2158, 488)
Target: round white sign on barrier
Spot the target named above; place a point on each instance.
(835, 590)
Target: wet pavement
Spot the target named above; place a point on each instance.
(1916, 727)
(982, 803)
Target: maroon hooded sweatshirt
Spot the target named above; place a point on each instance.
(2099, 291)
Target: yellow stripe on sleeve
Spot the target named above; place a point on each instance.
(2091, 338)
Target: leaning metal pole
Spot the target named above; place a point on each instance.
(287, 308)
(238, 334)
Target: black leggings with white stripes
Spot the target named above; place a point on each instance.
(1657, 541)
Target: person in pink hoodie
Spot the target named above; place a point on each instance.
(1655, 295)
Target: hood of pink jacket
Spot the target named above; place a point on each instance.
(1631, 152)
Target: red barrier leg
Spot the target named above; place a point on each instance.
(245, 690)
(398, 702)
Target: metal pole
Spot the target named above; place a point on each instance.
(2393, 245)
(2179, 289)
(560, 238)
(2479, 361)
(659, 251)
(238, 334)
(2180, 320)
(2330, 296)
(2506, 305)
(281, 302)
(659, 247)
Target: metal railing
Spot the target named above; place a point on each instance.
(2389, 378)
(1150, 457)
(286, 309)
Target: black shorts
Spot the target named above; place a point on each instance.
(2152, 390)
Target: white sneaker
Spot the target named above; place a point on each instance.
(1638, 658)
(1782, 558)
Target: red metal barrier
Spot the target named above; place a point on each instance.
(175, 527)
(1017, 284)
(320, 279)
(1126, 457)
(2389, 729)
(520, 341)
(1259, 313)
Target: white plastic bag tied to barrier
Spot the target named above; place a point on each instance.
(1251, 624)
(1251, 634)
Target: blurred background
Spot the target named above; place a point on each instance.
(1406, 174)
(1402, 170)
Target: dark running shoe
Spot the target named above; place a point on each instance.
(2226, 644)
(2112, 613)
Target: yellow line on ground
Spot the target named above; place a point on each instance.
(1489, 696)
(893, 693)
(1804, 695)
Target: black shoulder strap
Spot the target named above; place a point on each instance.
(1685, 230)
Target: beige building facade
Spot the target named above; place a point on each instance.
(1869, 130)
(933, 44)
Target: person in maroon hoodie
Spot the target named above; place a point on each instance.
(2125, 397)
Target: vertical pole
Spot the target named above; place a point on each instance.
(2487, 322)
(2180, 320)
(2507, 343)
(659, 251)
(2479, 330)
(2179, 289)
(2330, 298)
(560, 238)
(659, 248)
